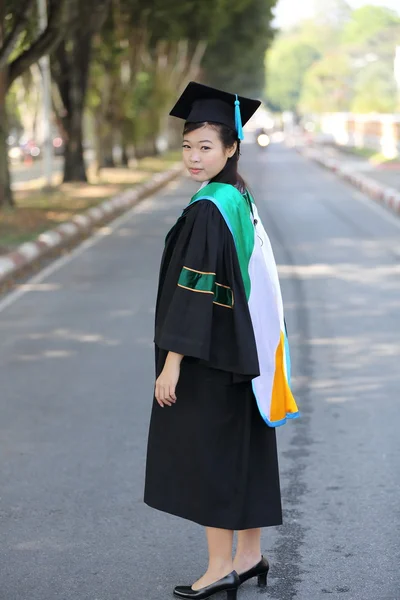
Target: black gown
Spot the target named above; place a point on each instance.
(210, 457)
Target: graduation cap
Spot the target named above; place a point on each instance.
(200, 103)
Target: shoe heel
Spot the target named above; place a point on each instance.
(231, 594)
(262, 579)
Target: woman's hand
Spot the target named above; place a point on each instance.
(168, 379)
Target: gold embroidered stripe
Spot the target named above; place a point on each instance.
(192, 290)
(223, 295)
(196, 280)
(201, 272)
(204, 282)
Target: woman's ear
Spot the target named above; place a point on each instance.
(232, 150)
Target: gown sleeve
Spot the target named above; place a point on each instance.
(189, 286)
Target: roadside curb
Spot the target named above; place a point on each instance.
(383, 194)
(81, 225)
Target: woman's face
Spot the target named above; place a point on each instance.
(203, 153)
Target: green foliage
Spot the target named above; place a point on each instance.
(369, 22)
(21, 46)
(235, 60)
(321, 36)
(11, 16)
(286, 67)
(191, 19)
(13, 112)
(375, 90)
(327, 85)
(148, 49)
(340, 61)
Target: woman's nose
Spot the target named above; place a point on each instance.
(194, 157)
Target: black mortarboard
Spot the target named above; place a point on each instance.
(199, 103)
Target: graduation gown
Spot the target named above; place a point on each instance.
(210, 457)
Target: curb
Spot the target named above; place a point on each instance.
(384, 194)
(80, 225)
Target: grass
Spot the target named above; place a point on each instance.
(38, 210)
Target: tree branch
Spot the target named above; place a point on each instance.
(60, 72)
(44, 44)
(195, 62)
(21, 21)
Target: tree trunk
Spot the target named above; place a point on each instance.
(154, 150)
(104, 143)
(71, 71)
(124, 154)
(107, 144)
(97, 140)
(74, 165)
(74, 162)
(6, 197)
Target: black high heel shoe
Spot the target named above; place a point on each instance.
(260, 570)
(228, 584)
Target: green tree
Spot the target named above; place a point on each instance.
(70, 70)
(176, 36)
(340, 60)
(370, 38)
(235, 59)
(370, 25)
(21, 46)
(144, 55)
(375, 89)
(320, 35)
(327, 85)
(141, 57)
(295, 51)
(287, 64)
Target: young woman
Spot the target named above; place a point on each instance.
(222, 364)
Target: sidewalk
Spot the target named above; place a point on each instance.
(384, 173)
(380, 181)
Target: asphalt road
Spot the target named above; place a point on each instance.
(76, 372)
(21, 173)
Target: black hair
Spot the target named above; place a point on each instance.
(228, 137)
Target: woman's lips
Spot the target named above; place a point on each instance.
(195, 171)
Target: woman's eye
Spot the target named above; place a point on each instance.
(205, 148)
(185, 146)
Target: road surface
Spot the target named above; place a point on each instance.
(21, 173)
(76, 367)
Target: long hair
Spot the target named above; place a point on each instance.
(228, 137)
